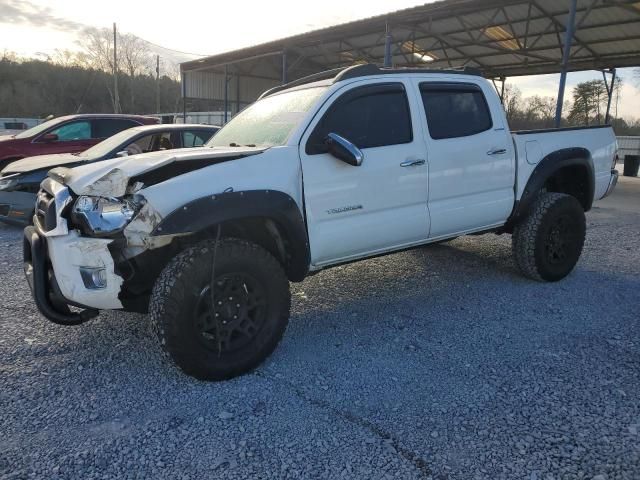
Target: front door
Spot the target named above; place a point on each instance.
(72, 137)
(354, 211)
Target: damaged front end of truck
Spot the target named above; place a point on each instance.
(94, 242)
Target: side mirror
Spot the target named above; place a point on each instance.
(344, 150)
(122, 153)
(49, 137)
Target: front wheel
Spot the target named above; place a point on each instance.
(547, 243)
(219, 326)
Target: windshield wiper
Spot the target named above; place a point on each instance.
(234, 144)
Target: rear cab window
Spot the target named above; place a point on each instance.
(455, 110)
(370, 116)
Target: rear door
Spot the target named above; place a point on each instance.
(381, 204)
(471, 157)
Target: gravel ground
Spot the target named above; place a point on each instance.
(441, 362)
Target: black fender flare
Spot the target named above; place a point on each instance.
(546, 168)
(206, 212)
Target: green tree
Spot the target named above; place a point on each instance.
(589, 102)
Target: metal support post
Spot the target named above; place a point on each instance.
(226, 93)
(284, 67)
(609, 92)
(387, 48)
(184, 96)
(568, 40)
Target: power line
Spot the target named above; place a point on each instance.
(173, 49)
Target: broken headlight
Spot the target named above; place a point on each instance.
(102, 216)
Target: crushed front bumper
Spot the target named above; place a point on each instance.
(44, 287)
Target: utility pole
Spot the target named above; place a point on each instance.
(157, 83)
(116, 97)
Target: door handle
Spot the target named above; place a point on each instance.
(412, 163)
(497, 151)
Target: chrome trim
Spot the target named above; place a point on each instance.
(613, 181)
(412, 163)
(347, 145)
(497, 151)
(62, 197)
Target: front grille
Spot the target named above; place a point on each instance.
(4, 209)
(46, 210)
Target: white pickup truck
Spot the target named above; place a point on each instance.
(333, 168)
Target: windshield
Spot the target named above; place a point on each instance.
(109, 144)
(38, 128)
(268, 122)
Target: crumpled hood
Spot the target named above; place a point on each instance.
(40, 162)
(111, 177)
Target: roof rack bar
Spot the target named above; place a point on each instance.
(365, 70)
(301, 81)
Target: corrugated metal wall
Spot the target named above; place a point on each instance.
(210, 86)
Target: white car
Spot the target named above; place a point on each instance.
(329, 169)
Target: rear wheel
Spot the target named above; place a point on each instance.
(547, 243)
(219, 328)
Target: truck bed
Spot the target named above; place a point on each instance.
(534, 145)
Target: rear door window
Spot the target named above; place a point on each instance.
(195, 138)
(455, 110)
(106, 127)
(163, 141)
(141, 145)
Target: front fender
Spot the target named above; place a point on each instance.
(207, 212)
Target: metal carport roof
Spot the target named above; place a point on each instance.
(502, 38)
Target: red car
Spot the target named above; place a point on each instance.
(69, 134)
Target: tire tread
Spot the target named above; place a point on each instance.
(168, 296)
(526, 231)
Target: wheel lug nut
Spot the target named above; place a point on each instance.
(235, 317)
(230, 298)
(237, 305)
(219, 302)
(217, 314)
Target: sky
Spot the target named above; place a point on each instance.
(204, 27)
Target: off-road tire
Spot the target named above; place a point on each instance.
(534, 238)
(176, 292)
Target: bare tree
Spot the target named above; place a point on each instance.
(97, 45)
(541, 108)
(512, 101)
(65, 58)
(136, 60)
(8, 56)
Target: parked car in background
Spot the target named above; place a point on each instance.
(69, 134)
(11, 128)
(20, 180)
